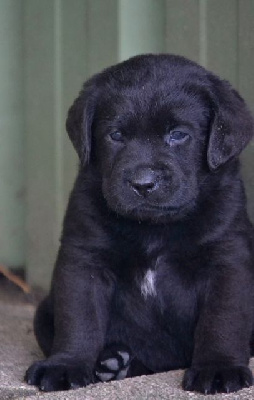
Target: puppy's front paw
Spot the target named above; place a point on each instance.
(113, 363)
(212, 380)
(50, 375)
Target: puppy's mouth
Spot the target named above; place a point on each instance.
(151, 211)
(158, 208)
(155, 213)
(158, 212)
(161, 206)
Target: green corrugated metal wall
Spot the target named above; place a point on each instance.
(12, 215)
(50, 47)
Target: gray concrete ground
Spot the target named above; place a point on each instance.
(18, 349)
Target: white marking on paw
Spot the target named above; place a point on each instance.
(122, 374)
(125, 356)
(111, 363)
(148, 284)
(104, 376)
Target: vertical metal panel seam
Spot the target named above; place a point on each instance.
(237, 44)
(88, 38)
(164, 45)
(119, 30)
(58, 92)
(203, 33)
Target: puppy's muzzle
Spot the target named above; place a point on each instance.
(144, 181)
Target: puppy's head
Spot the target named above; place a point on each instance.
(154, 126)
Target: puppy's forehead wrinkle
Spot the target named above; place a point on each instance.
(154, 115)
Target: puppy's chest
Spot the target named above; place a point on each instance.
(156, 296)
(158, 280)
(156, 273)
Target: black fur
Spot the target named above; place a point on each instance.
(156, 253)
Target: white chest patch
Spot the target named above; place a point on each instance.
(148, 284)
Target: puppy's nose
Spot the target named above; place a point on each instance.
(144, 181)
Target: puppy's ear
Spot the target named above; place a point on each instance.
(232, 126)
(79, 122)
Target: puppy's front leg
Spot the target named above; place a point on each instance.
(81, 300)
(222, 336)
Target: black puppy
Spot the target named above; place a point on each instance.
(156, 267)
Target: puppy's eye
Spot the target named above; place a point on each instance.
(116, 136)
(176, 137)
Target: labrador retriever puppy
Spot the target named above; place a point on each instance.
(155, 270)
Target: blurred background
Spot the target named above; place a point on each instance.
(47, 49)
